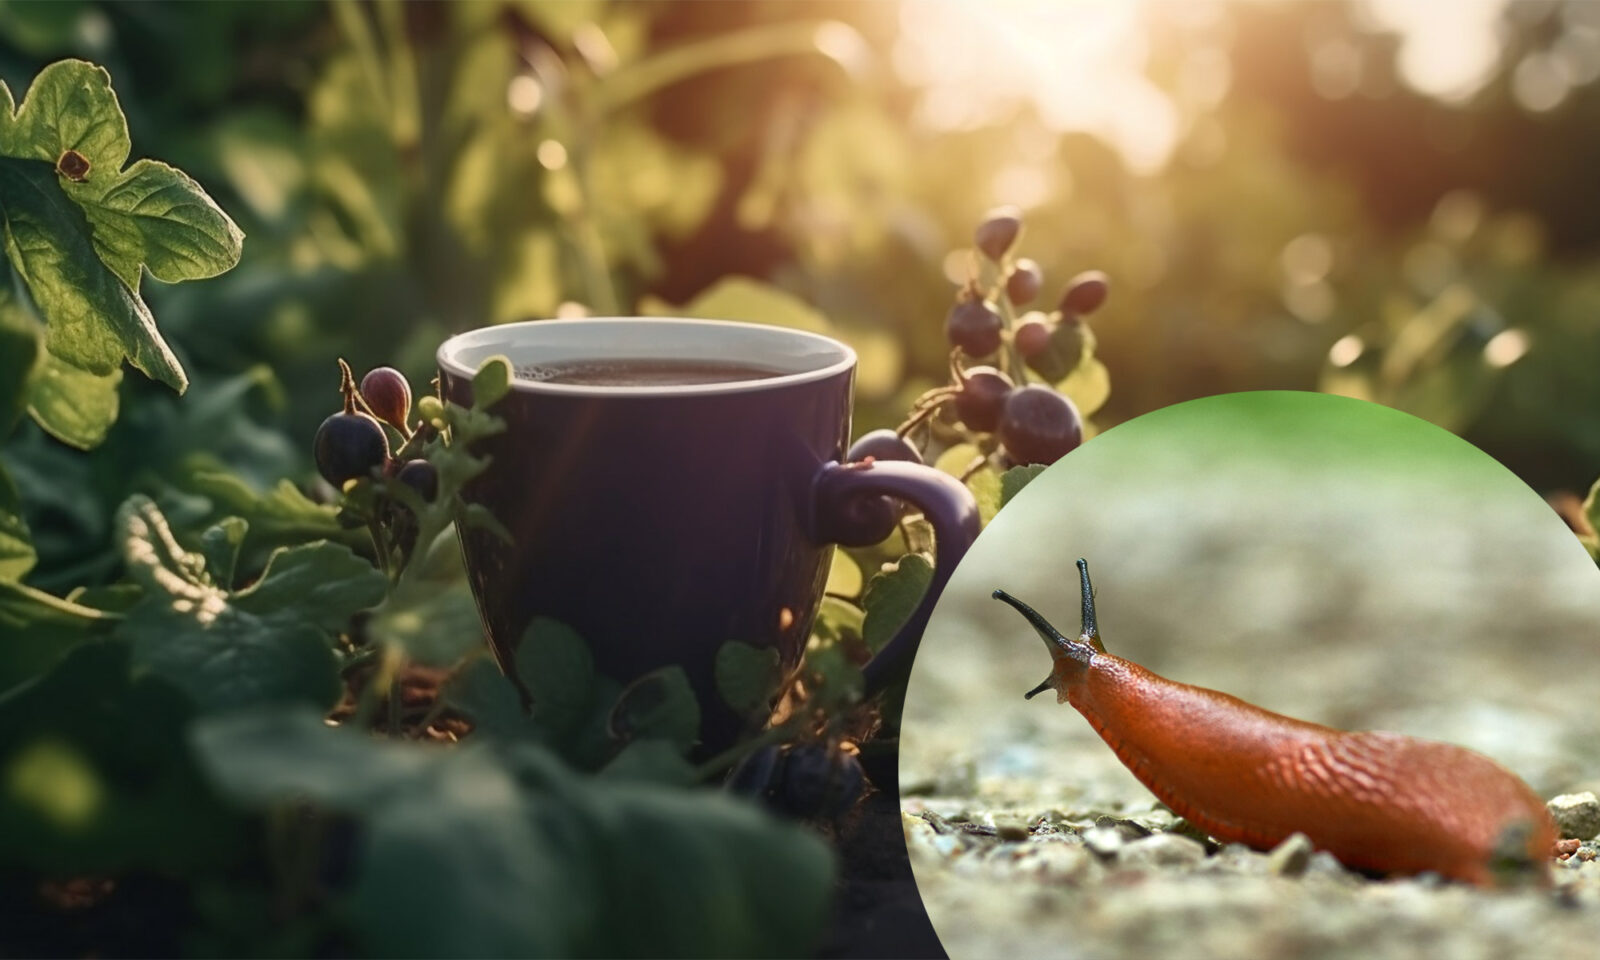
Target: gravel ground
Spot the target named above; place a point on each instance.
(1018, 880)
(1442, 600)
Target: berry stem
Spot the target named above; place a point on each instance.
(1008, 315)
(919, 415)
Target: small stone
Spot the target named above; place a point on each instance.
(1127, 829)
(1566, 848)
(1011, 827)
(1323, 863)
(1161, 850)
(1103, 841)
(1585, 853)
(1291, 857)
(1184, 828)
(1577, 815)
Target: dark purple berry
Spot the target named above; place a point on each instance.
(998, 231)
(1085, 293)
(755, 775)
(1069, 341)
(983, 394)
(974, 327)
(882, 445)
(349, 445)
(1039, 425)
(1025, 282)
(421, 476)
(818, 780)
(1032, 337)
(388, 394)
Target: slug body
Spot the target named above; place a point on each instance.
(1380, 802)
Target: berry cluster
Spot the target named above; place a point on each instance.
(353, 444)
(1010, 419)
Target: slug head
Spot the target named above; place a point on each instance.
(1069, 656)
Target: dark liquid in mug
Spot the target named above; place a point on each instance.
(653, 372)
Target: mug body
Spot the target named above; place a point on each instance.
(658, 521)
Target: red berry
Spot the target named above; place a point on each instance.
(1085, 293)
(1033, 336)
(983, 395)
(388, 394)
(973, 326)
(998, 231)
(1039, 425)
(1024, 282)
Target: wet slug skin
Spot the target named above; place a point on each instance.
(1379, 802)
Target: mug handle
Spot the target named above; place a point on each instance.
(847, 496)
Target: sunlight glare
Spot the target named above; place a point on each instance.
(1448, 51)
(1079, 65)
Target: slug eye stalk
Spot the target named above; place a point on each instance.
(1079, 650)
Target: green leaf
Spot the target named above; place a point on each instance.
(38, 629)
(747, 675)
(70, 106)
(1013, 480)
(269, 643)
(94, 319)
(220, 545)
(80, 236)
(491, 383)
(316, 583)
(838, 621)
(509, 874)
(479, 690)
(1088, 386)
(522, 857)
(555, 665)
(73, 405)
(17, 555)
(892, 596)
(156, 217)
(259, 757)
(282, 515)
(759, 887)
(21, 351)
(650, 761)
(660, 705)
(435, 624)
(844, 576)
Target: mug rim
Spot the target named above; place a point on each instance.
(448, 356)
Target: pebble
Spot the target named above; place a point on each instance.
(1577, 815)
(1184, 828)
(1011, 827)
(1161, 850)
(1291, 857)
(1103, 841)
(1127, 829)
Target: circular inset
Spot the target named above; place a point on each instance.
(1326, 559)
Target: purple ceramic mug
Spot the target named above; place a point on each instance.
(661, 521)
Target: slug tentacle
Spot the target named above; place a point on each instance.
(1379, 802)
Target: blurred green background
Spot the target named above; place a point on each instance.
(1374, 198)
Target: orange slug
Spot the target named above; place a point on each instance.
(1379, 802)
